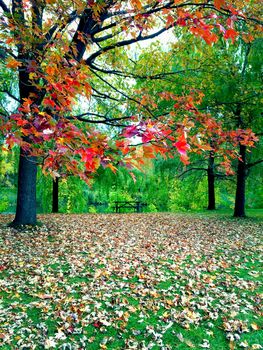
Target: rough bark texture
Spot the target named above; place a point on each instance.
(55, 196)
(211, 183)
(241, 184)
(26, 195)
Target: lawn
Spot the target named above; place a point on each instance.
(132, 281)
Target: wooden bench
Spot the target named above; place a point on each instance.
(136, 205)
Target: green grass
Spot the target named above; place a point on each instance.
(201, 290)
(227, 213)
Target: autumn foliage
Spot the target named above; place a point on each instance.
(57, 48)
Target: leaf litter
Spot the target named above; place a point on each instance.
(148, 281)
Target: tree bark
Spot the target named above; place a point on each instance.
(55, 196)
(211, 182)
(26, 195)
(241, 184)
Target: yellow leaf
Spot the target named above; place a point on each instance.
(189, 343)
(98, 273)
(32, 75)
(255, 326)
(132, 308)
(231, 345)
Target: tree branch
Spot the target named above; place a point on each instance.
(4, 7)
(250, 165)
(191, 169)
(103, 120)
(115, 89)
(52, 30)
(103, 95)
(11, 95)
(122, 43)
(137, 76)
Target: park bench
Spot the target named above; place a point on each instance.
(136, 205)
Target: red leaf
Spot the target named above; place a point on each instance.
(21, 122)
(147, 136)
(130, 131)
(49, 102)
(97, 324)
(181, 145)
(231, 34)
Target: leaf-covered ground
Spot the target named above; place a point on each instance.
(131, 281)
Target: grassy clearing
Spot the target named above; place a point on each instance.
(146, 281)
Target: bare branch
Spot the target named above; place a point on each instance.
(191, 169)
(106, 37)
(11, 95)
(250, 165)
(115, 89)
(147, 77)
(122, 43)
(103, 95)
(4, 7)
(103, 119)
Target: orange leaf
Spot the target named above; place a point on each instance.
(137, 4)
(219, 3)
(9, 40)
(169, 21)
(112, 168)
(13, 63)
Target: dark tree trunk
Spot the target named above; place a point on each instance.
(26, 209)
(241, 184)
(26, 195)
(211, 182)
(55, 196)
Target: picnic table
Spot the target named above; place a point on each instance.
(136, 205)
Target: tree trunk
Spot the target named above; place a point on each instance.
(27, 170)
(26, 195)
(55, 196)
(211, 182)
(241, 184)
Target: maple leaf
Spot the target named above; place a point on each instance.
(112, 167)
(13, 63)
(49, 102)
(137, 4)
(22, 122)
(169, 21)
(147, 136)
(181, 145)
(131, 131)
(231, 34)
(219, 3)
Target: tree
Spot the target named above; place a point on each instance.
(221, 98)
(238, 99)
(45, 43)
